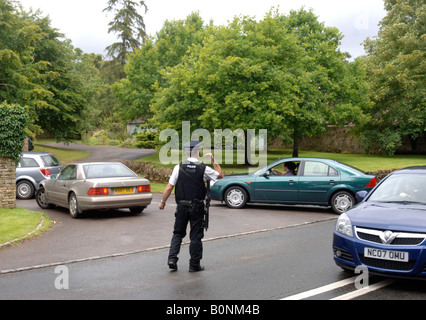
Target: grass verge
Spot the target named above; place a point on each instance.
(65, 156)
(19, 224)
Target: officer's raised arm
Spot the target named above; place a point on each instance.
(216, 166)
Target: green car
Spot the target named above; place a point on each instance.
(296, 181)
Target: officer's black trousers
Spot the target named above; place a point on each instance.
(194, 215)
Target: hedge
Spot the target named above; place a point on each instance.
(14, 119)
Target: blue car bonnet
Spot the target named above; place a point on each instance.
(390, 216)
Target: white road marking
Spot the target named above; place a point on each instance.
(320, 290)
(360, 292)
(339, 284)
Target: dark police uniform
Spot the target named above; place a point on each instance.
(190, 192)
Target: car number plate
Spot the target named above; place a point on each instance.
(390, 255)
(123, 190)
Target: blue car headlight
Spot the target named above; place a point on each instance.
(344, 225)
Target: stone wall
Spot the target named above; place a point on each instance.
(340, 140)
(336, 139)
(7, 183)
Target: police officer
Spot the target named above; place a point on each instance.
(188, 178)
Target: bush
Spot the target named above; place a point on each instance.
(381, 174)
(14, 121)
(99, 137)
(148, 171)
(147, 139)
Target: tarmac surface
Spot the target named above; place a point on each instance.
(104, 233)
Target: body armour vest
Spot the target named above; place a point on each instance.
(190, 183)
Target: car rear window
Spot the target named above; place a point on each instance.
(319, 169)
(50, 161)
(110, 170)
(352, 169)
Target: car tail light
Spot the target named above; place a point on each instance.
(98, 192)
(142, 189)
(372, 183)
(45, 172)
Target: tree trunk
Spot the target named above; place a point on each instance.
(247, 148)
(413, 143)
(296, 140)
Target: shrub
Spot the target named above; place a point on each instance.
(147, 139)
(148, 171)
(14, 121)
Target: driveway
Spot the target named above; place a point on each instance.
(102, 153)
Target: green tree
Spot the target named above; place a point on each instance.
(65, 103)
(327, 89)
(144, 70)
(37, 70)
(130, 27)
(18, 70)
(221, 83)
(396, 70)
(284, 73)
(96, 90)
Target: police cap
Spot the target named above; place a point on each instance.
(193, 145)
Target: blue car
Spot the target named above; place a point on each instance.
(386, 231)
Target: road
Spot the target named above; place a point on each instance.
(264, 265)
(260, 253)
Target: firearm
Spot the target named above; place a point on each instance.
(207, 207)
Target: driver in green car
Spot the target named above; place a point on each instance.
(289, 168)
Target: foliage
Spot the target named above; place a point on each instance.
(147, 139)
(144, 69)
(13, 127)
(99, 137)
(396, 70)
(89, 69)
(284, 73)
(129, 25)
(37, 70)
(150, 172)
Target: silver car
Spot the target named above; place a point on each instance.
(32, 169)
(94, 186)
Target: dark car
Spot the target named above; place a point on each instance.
(386, 232)
(33, 168)
(307, 181)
